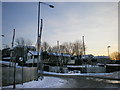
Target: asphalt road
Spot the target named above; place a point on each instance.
(88, 82)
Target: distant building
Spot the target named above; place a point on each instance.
(32, 58)
(103, 59)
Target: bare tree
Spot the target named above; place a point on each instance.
(20, 41)
(115, 56)
(23, 42)
(77, 47)
(74, 48)
(45, 46)
(54, 49)
(6, 46)
(28, 42)
(68, 47)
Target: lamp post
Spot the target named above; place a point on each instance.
(39, 36)
(108, 50)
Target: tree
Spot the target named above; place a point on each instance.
(55, 49)
(77, 47)
(22, 41)
(28, 42)
(45, 46)
(74, 48)
(115, 56)
(5, 46)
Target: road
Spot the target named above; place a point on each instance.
(88, 82)
(67, 82)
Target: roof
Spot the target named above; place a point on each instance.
(59, 54)
(106, 57)
(32, 47)
(6, 58)
(33, 52)
(50, 53)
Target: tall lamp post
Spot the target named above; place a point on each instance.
(39, 36)
(108, 50)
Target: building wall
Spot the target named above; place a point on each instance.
(29, 73)
(96, 69)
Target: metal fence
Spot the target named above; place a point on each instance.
(29, 73)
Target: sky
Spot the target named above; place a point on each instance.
(67, 22)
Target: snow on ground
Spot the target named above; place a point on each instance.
(115, 74)
(47, 82)
(112, 75)
(81, 74)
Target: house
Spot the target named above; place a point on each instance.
(103, 59)
(58, 59)
(32, 58)
(49, 58)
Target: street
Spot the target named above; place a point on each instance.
(68, 82)
(88, 82)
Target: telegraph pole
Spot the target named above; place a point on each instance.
(12, 59)
(58, 52)
(83, 45)
(108, 50)
(58, 46)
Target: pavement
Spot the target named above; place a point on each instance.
(47, 82)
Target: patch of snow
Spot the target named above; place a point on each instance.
(80, 74)
(6, 57)
(113, 64)
(80, 66)
(47, 82)
(113, 81)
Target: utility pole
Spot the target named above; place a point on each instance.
(13, 38)
(108, 50)
(11, 54)
(83, 46)
(58, 46)
(2, 39)
(14, 84)
(58, 53)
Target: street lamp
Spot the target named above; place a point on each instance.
(39, 35)
(51, 6)
(108, 49)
